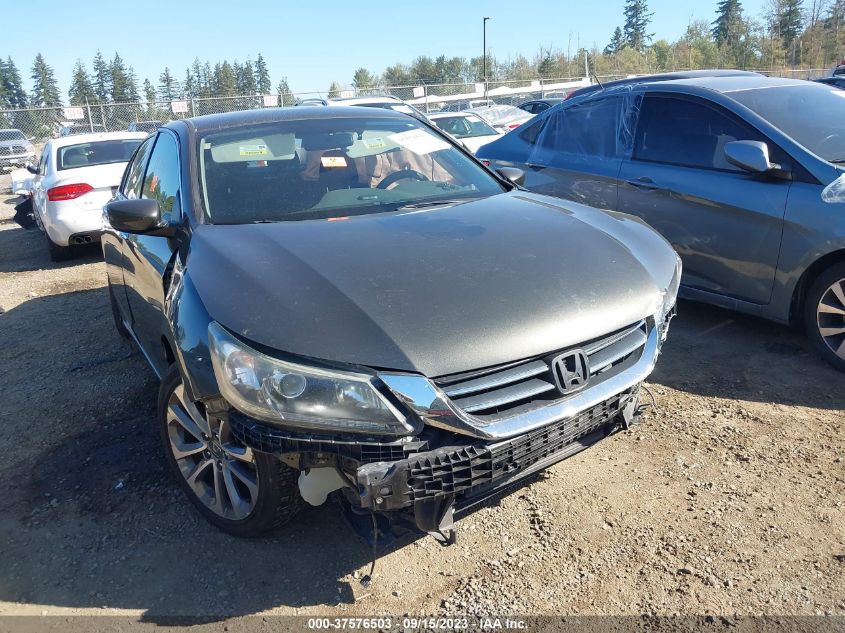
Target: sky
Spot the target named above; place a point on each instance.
(315, 43)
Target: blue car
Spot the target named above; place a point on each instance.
(742, 174)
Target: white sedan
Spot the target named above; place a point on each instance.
(470, 129)
(74, 179)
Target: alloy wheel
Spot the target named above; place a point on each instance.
(830, 317)
(220, 471)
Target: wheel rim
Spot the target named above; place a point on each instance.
(830, 317)
(220, 471)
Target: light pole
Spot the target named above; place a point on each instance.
(484, 56)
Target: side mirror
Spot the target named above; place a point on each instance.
(515, 175)
(751, 156)
(32, 169)
(141, 216)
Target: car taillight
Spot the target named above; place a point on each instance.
(513, 126)
(68, 192)
(485, 162)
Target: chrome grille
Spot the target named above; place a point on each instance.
(11, 150)
(523, 385)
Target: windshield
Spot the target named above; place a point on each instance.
(465, 126)
(11, 135)
(96, 153)
(810, 113)
(332, 168)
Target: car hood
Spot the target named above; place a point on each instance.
(438, 291)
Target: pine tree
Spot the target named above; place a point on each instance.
(285, 95)
(334, 90)
(149, 93)
(101, 78)
(132, 80)
(262, 75)
(637, 19)
(119, 87)
(81, 89)
(617, 42)
(245, 78)
(168, 87)
(790, 21)
(4, 92)
(363, 79)
(224, 81)
(728, 19)
(13, 85)
(189, 86)
(45, 89)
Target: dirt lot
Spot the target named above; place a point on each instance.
(728, 500)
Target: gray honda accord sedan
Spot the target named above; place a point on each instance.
(344, 301)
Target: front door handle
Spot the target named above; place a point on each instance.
(644, 184)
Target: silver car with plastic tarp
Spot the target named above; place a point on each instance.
(741, 173)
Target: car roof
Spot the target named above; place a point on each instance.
(451, 115)
(75, 139)
(728, 84)
(663, 77)
(211, 122)
(372, 99)
(9, 129)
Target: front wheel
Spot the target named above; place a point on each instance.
(824, 315)
(241, 491)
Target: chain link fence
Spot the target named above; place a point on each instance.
(40, 124)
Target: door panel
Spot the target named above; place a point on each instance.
(725, 224)
(148, 257)
(114, 252)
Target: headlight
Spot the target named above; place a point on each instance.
(300, 396)
(670, 295)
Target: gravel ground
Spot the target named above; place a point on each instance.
(727, 500)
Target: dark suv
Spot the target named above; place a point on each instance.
(343, 299)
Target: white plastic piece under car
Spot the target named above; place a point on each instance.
(21, 182)
(835, 191)
(317, 483)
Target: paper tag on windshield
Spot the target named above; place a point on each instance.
(333, 161)
(419, 141)
(253, 150)
(374, 143)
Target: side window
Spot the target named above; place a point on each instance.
(529, 108)
(689, 133)
(587, 129)
(529, 132)
(131, 186)
(162, 178)
(42, 164)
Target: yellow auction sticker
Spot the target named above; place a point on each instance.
(253, 150)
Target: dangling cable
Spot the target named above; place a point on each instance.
(367, 580)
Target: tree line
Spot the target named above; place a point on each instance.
(797, 33)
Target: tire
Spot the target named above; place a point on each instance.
(824, 315)
(275, 499)
(58, 253)
(115, 313)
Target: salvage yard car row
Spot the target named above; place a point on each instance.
(345, 301)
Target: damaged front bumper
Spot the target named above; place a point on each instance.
(429, 481)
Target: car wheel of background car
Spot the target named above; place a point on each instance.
(115, 312)
(824, 315)
(241, 491)
(58, 253)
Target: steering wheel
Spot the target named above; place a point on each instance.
(396, 176)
